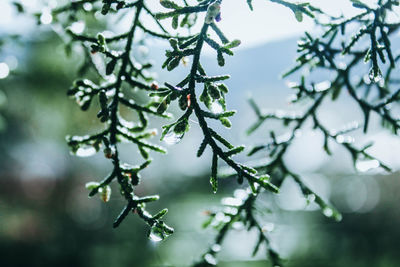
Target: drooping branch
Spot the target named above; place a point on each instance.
(326, 52)
(122, 73)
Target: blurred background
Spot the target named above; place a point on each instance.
(46, 218)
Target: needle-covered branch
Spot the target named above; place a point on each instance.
(332, 52)
(123, 74)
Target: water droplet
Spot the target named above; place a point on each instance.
(310, 198)
(137, 65)
(340, 139)
(87, 6)
(210, 259)
(172, 138)
(231, 201)
(185, 61)
(366, 165)
(155, 238)
(322, 86)
(366, 79)
(328, 212)
(110, 93)
(375, 75)
(216, 248)
(46, 17)
(85, 151)
(111, 79)
(216, 108)
(268, 227)
(344, 139)
(105, 193)
(156, 234)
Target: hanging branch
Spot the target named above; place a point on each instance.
(325, 52)
(123, 73)
(213, 98)
(110, 95)
(213, 95)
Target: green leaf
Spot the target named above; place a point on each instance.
(234, 151)
(169, 4)
(111, 66)
(298, 15)
(92, 185)
(148, 199)
(220, 139)
(213, 91)
(152, 147)
(359, 4)
(226, 122)
(160, 214)
(233, 44)
(248, 169)
(174, 43)
(173, 63)
(175, 22)
(223, 88)
(214, 169)
(202, 147)
(267, 185)
(220, 58)
(182, 126)
(143, 152)
(228, 113)
(162, 107)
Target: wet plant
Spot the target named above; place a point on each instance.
(115, 82)
(372, 92)
(328, 52)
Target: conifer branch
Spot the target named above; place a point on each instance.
(109, 91)
(322, 52)
(213, 94)
(373, 94)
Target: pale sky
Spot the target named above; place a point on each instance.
(268, 21)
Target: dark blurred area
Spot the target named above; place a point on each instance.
(46, 218)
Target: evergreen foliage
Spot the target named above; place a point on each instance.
(201, 97)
